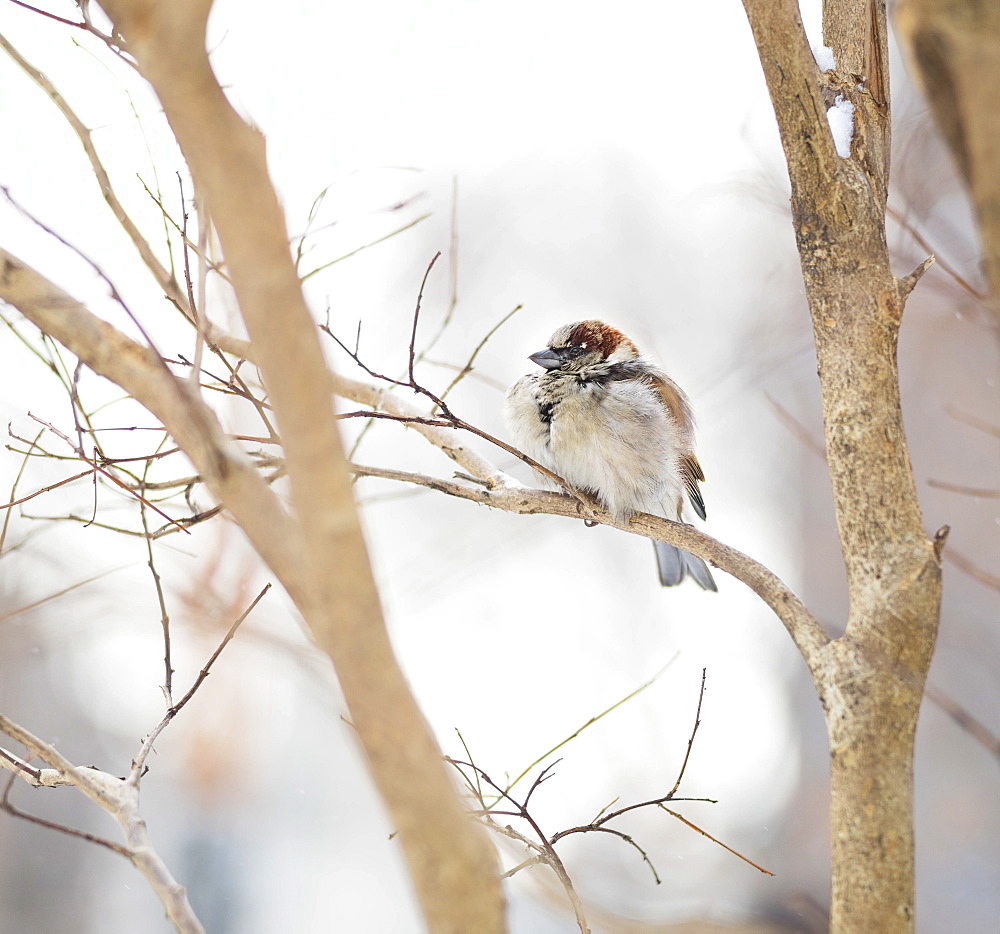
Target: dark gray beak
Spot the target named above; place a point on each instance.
(547, 358)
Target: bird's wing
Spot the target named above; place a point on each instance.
(679, 408)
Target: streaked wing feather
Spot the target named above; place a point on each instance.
(691, 470)
(692, 474)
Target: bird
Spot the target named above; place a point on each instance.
(612, 424)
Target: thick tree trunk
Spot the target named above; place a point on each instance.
(871, 721)
(870, 681)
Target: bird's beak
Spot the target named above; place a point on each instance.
(547, 358)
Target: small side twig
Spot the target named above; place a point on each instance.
(115, 43)
(599, 824)
(467, 369)
(921, 241)
(697, 723)
(138, 764)
(5, 805)
(447, 415)
(203, 674)
(168, 676)
(101, 470)
(705, 833)
(546, 850)
(595, 719)
(13, 489)
(973, 569)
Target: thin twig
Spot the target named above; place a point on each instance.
(979, 423)
(340, 259)
(452, 273)
(120, 799)
(593, 720)
(138, 764)
(979, 492)
(201, 298)
(705, 833)
(796, 427)
(551, 858)
(467, 369)
(54, 596)
(168, 677)
(405, 419)
(97, 268)
(115, 43)
(439, 403)
(106, 473)
(416, 317)
(13, 489)
(203, 674)
(973, 569)
(5, 805)
(697, 723)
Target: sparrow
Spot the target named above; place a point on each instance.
(611, 423)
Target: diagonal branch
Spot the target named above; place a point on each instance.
(228, 473)
(802, 626)
(451, 861)
(164, 279)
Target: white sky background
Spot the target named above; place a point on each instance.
(608, 166)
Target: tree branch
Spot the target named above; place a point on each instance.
(118, 798)
(870, 681)
(802, 626)
(452, 863)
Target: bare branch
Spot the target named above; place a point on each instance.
(979, 492)
(870, 681)
(13, 489)
(226, 471)
(694, 731)
(802, 626)
(705, 833)
(467, 369)
(547, 851)
(168, 676)
(138, 764)
(365, 246)
(112, 42)
(163, 277)
(97, 468)
(380, 399)
(332, 582)
(119, 799)
(5, 805)
(203, 674)
(53, 596)
(973, 569)
(922, 242)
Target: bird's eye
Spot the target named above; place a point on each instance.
(576, 350)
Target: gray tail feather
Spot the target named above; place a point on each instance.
(674, 564)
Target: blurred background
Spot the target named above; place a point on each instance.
(580, 164)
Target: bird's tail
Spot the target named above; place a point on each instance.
(675, 564)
